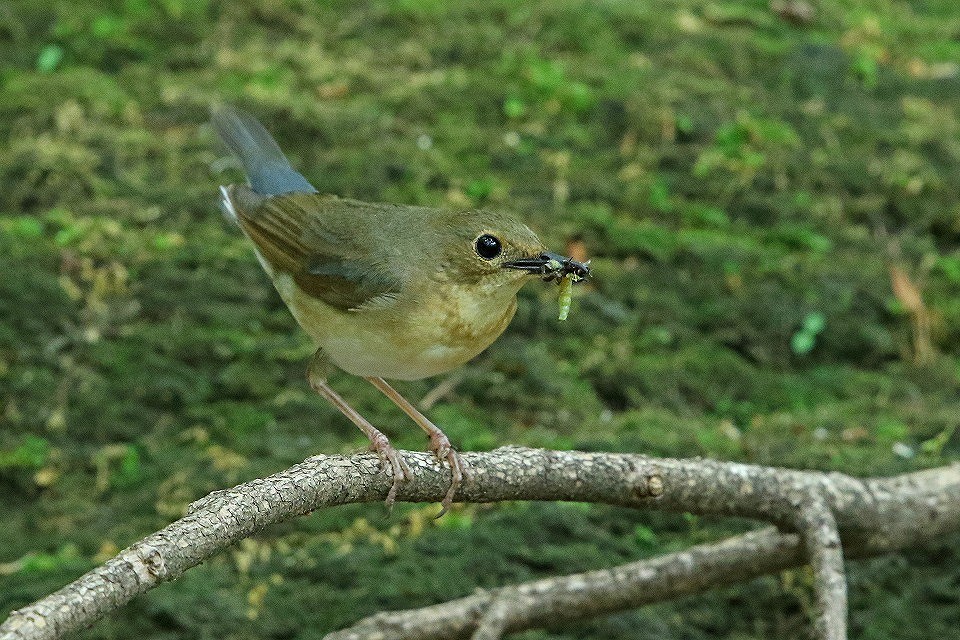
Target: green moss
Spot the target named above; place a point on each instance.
(742, 185)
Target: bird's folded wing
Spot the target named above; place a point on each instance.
(329, 256)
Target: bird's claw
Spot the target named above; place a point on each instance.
(444, 451)
(393, 464)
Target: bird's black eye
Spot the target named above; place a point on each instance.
(488, 247)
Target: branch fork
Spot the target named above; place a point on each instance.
(815, 513)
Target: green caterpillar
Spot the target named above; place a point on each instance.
(566, 286)
(566, 294)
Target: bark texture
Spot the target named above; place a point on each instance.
(554, 601)
(821, 542)
(870, 515)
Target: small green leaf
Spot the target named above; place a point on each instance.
(802, 343)
(579, 96)
(32, 453)
(814, 322)
(479, 188)
(934, 446)
(68, 235)
(456, 520)
(106, 25)
(49, 58)
(683, 123)
(714, 216)
(130, 471)
(660, 196)
(167, 241)
(645, 536)
(950, 267)
(890, 430)
(866, 70)
(40, 562)
(805, 339)
(26, 227)
(514, 107)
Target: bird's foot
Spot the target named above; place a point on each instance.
(393, 465)
(441, 447)
(439, 443)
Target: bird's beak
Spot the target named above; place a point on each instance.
(551, 266)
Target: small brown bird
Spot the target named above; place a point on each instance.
(384, 291)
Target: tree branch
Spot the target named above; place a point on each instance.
(821, 542)
(553, 601)
(503, 607)
(575, 597)
(882, 513)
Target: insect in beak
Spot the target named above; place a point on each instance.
(551, 266)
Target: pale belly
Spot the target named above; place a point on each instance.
(405, 343)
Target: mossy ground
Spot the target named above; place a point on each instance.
(773, 217)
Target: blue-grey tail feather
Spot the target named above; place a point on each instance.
(268, 170)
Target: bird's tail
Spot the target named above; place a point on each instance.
(268, 170)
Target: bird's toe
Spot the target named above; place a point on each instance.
(393, 465)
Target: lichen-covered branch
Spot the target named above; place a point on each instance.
(887, 513)
(500, 610)
(821, 542)
(554, 601)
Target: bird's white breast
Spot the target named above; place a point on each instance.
(406, 339)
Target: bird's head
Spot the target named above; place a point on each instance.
(492, 250)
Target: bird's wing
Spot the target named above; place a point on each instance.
(326, 247)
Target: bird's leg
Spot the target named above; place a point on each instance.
(391, 460)
(439, 443)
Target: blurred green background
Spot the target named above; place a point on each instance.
(772, 210)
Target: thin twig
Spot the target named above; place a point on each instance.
(442, 390)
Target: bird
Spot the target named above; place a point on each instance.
(385, 291)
